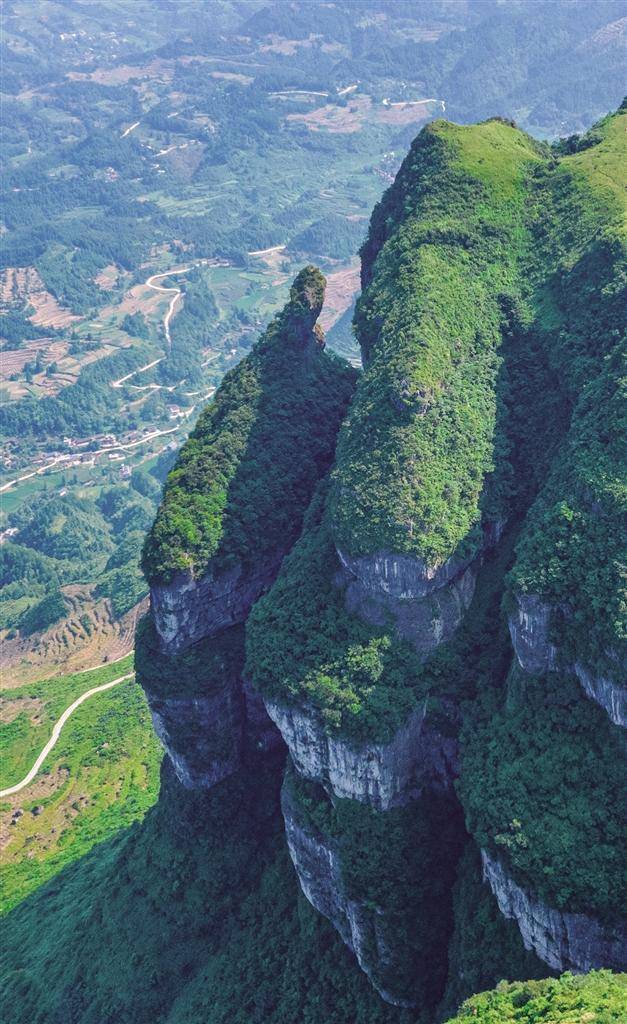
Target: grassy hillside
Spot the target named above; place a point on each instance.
(101, 776)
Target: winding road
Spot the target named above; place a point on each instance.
(56, 732)
(175, 297)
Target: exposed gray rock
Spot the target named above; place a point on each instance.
(318, 866)
(529, 629)
(402, 576)
(202, 736)
(425, 622)
(187, 610)
(381, 775)
(564, 941)
(609, 695)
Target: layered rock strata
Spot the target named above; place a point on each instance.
(381, 775)
(563, 940)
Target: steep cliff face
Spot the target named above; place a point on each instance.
(362, 926)
(563, 940)
(381, 775)
(425, 622)
(186, 609)
(530, 629)
(232, 507)
(373, 874)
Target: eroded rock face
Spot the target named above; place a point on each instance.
(382, 775)
(187, 610)
(564, 941)
(202, 736)
(425, 622)
(609, 695)
(319, 869)
(529, 629)
(406, 577)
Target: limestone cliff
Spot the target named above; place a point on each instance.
(530, 629)
(563, 940)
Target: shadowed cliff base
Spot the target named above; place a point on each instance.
(194, 915)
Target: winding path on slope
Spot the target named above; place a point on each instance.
(56, 732)
(175, 297)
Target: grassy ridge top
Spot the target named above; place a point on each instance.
(247, 472)
(416, 456)
(596, 998)
(602, 165)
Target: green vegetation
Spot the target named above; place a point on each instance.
(244, 477)
(421, 445)
(485, 947)
(304, 648)
(599, 997)
(65, 539)
(540, 783)
(101, 776)
(573, 549)
(43, 614)
(400, 865)
(194, 672)
(21, 739)
(198, 910)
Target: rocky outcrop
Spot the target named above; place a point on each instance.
(402, 576)
(609, 695)
(425, 622)
(426, 603)
(187, 610)
(381, 775)
(318, 865)
(563, 940)
(529, 628)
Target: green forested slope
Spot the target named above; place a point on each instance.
(441, 270)
(489, 320)
(253, 459)
(598, 998)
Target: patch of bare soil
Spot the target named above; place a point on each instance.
(231, 76)
(405, 113)
(160, 69)
(23, 284)
(108, 277)
(89, 635)
(136, 299)
(336, 119)
(10, 709)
